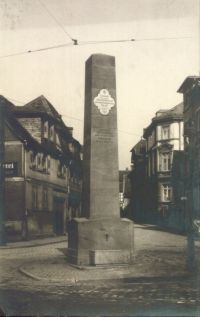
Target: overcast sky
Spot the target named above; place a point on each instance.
(148, 72)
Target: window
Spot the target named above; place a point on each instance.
(34, 197)
(57, 140)
(31, 157)
(166, 193)
(32, 160)
(62, 171)
(71, 147)
(51, 133)
(48, 163)
(38, 160)
(165, 161)
(149, 166)
(153, 162)
(45, 198)
(44, 163)
(165, 132)
(46, 128)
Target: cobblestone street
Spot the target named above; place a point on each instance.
(157, 283)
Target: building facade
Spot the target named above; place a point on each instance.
(163, 137)
(190, 89)
(153, 159)
(138, 182)
(42, 160)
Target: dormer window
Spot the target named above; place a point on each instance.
(48, 163)
(39, 162)
(165, 132)
(62, 170)
(32, 160)
(57, 141)
(44, 163)
(51, 133)
(46, 129)
(71, 147)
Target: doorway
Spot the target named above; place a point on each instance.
(58, 208)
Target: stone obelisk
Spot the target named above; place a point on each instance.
(100, 236)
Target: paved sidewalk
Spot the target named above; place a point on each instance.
(147, 265)
(34, 242)
(158, 254)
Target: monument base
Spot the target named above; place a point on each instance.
(100, 241)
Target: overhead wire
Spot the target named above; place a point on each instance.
(54, 47)
(36, 50)
(76, 43)
(73, 118)
(79, 43)
(78, 119)
(164, 38)
(55, 19)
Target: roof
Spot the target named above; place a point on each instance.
(189, 83)
(41, 105)
(14, 124)
(139, 147)
(26, 137)
(175, 113)
(7, 103)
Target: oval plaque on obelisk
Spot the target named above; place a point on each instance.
(104, 101)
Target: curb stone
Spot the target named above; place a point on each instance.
(140, 279)
(37, 278)
(27, 274)
(31, 245)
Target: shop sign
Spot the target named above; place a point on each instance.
(10, 169)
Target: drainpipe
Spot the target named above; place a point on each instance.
(2, 176)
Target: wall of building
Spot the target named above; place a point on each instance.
(43, 171)
(14, 153)
(14, 184)
(175, 134)
(23, 218)
(49, 186)
(163, 136)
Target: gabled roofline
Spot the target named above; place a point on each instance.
(14, 124)
(12, 112)
(188, 83)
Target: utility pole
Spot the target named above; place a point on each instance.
(2, 176)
